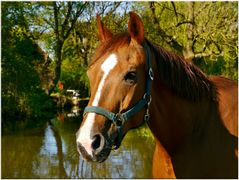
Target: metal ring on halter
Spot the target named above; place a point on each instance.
(148, 98)
(151, 74)
(119, 120)
(147, 116)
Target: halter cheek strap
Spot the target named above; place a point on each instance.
(118, 119)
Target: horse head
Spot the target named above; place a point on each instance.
(120, 80)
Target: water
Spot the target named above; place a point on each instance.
(49, 151)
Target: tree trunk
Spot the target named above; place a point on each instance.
(188, 52)
(57, 68)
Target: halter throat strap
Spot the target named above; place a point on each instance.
(118, 119)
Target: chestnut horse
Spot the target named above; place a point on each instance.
(192, 117)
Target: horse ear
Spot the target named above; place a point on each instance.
(104, 33)
(136, 28)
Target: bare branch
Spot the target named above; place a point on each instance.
(49, 23)
(167, 38)
(165, 7)
(201, 9)
(56, 29)
(78, 13)
(200, 55)
(116, 5)
(175, 11)
(184, 22)
(67, 17)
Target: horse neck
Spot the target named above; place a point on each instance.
(172, 117)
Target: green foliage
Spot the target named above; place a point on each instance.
(145, 132)
(218, 67)
(22, 95)
(75, 79)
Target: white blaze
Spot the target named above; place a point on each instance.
(106, 67)
(84, 135)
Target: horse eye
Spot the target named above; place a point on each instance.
(130, 77)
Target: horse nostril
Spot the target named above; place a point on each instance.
(96, 141)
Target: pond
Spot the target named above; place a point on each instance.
(49, 151)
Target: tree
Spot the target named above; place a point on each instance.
(203, 32)
(83, 40)
(67, 30)
(21, 89)
(65, 17)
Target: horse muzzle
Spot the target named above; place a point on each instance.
(98, 147)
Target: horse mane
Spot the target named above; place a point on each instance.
(182, 77)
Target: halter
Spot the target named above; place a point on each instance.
(118, 119)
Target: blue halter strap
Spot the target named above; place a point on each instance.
(118, 119)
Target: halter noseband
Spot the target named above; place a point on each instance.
(118, 119)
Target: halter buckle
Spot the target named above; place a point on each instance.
(119, 120)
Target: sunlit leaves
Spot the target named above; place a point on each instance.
(214, 31)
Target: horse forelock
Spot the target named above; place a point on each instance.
(110, 46)
(182, 77)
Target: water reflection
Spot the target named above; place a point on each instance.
(51, 155)
(50, 152)
(19, 151)
(75, 112)
(130, 161)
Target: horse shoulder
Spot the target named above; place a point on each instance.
(162, 163)
(227, 91)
